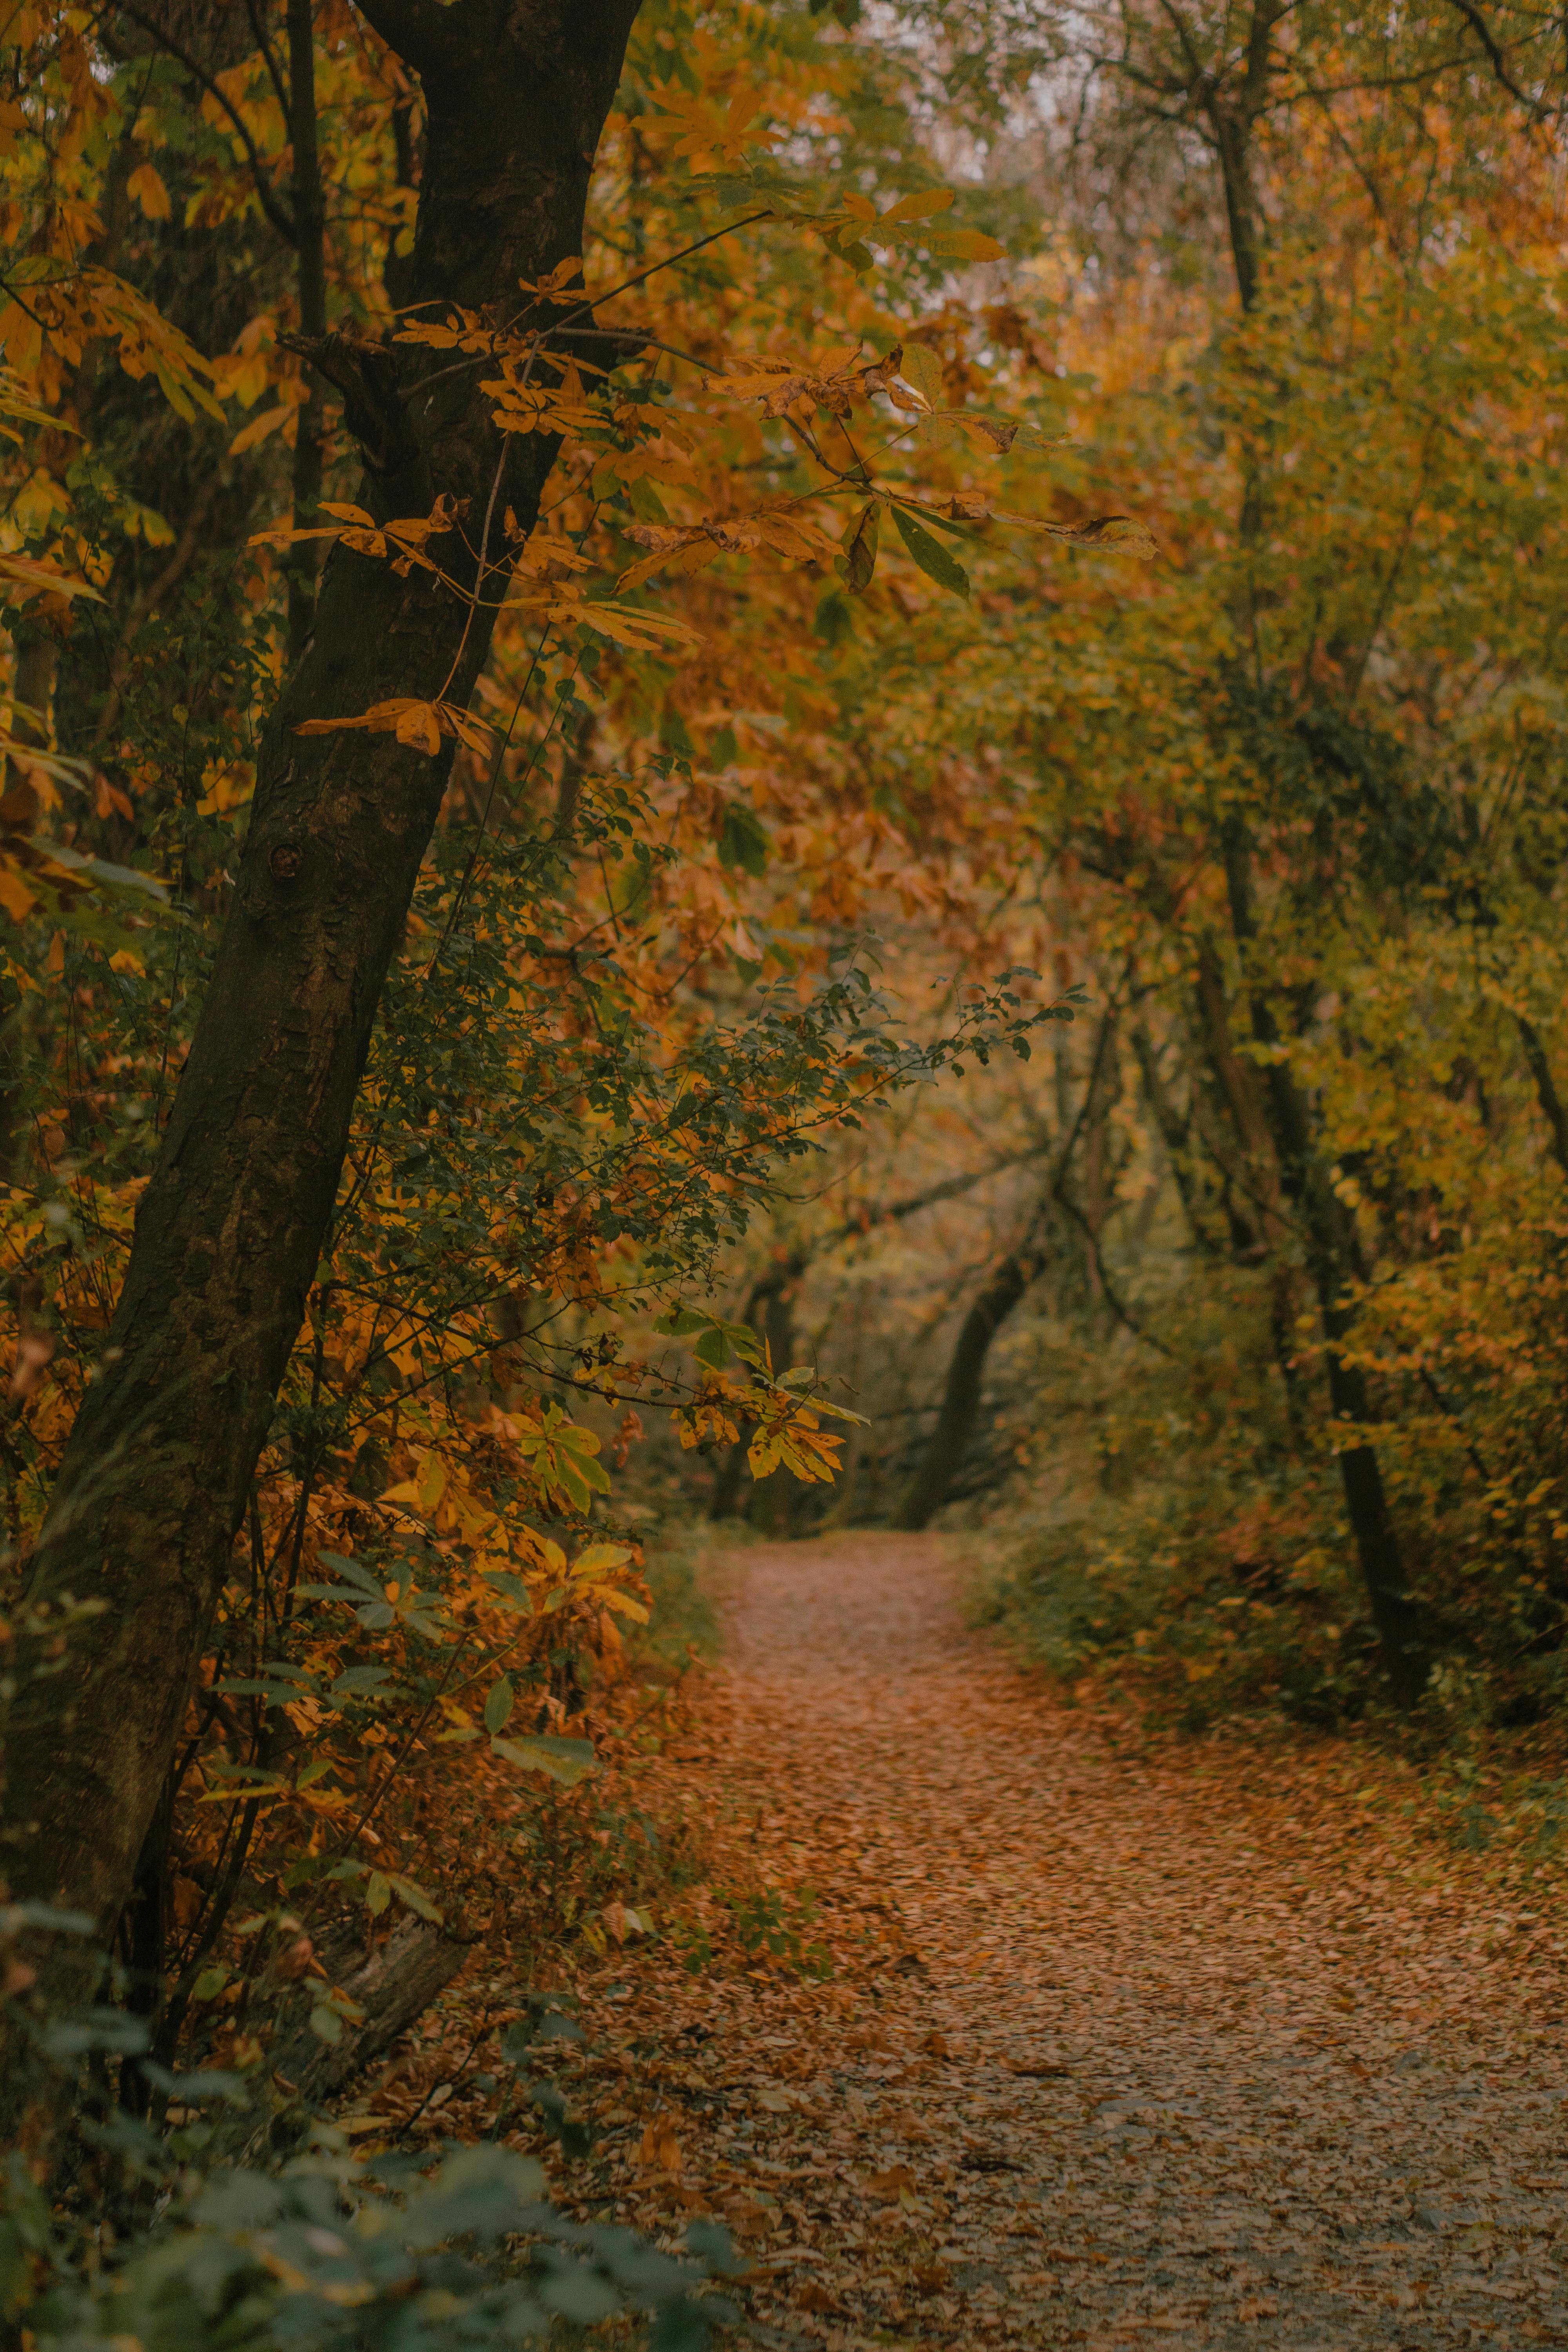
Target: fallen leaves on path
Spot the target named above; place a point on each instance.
(1196, 2046)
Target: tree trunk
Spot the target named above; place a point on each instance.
(1334, 1262)
(1546, 1093)
(393, 1985)
(949, 1441)
(239, 1208)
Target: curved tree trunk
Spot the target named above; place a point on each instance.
(239, 1208)
(949, 1441)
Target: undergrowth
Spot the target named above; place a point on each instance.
(1173, 1541)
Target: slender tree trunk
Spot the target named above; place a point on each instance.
(1333, 1260)
(1546, 1093)
(1176, 1134)
(239, 1208)
(960, 1410)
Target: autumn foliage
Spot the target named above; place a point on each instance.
(984, 573)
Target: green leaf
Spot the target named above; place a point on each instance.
(645, 502)
(931, 555)
(325, 2023)
(744, 841)
(682, 1320)
(566, 1761)
(512, 1589)
(835, 621)
(120, 881)
(499, 1704)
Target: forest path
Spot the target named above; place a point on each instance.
(1120, 2050)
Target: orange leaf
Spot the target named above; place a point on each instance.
(14, 896)
(659, 2150)
(148, 190)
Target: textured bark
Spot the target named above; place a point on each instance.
(235, 1217)
(395, 1985)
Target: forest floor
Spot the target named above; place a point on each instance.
(1123, 2043)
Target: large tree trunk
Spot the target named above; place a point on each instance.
(233, 1223)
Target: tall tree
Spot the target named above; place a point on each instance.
(154, 1479)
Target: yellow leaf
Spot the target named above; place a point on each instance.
(600, 1556)
(963, 245)
(258, 430)
(920, 207)
(36, 575)
(14, 896)
(419, 724)
(148, 192)
(416, 723)
(433, 1481)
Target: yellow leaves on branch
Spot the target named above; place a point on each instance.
(1115, 534)
(911, 380)
(855, 225)
(22, 576)
(1110, 534)
(712, 1416)
(788, 1437)
(524, 406)
(420, 725)
(833, 383)
(689, 546)
(644, 632)
(707, 135)
(461, 331)
(465, 330)
(404, 541)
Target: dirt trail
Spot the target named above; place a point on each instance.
(1189, 2050)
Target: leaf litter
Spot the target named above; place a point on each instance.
(1200, 2044)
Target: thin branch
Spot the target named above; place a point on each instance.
(280, 219)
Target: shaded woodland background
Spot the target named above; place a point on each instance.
(807, 784)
